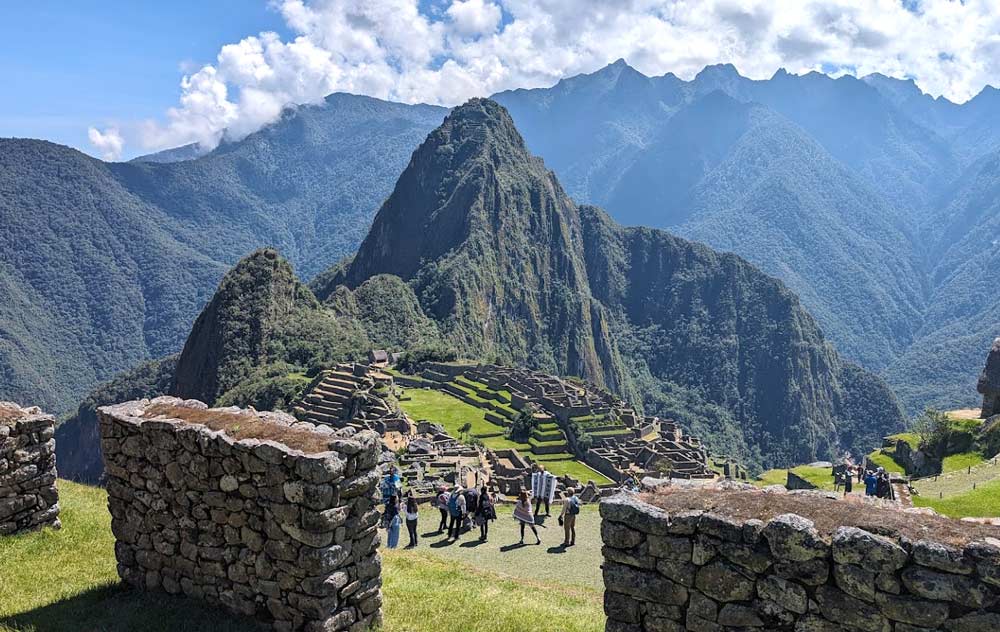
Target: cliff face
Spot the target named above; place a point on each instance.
(493, 248)
(989, 382)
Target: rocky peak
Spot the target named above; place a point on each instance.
(253, 299)
(989, 382)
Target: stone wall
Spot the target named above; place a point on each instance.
(284, 532)
(705, 572)
(989, 382)
(28, 496)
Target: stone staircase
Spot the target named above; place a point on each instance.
(335, 400)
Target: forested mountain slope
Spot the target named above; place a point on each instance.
(843, 188)
(105, 265)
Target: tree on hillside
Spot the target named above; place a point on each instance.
(931, 427)
(464, 430)
(522, 425)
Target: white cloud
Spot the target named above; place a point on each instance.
(109, 142)
(474, 17)
(456, 49)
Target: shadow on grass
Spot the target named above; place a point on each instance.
(471, 544)
(116, 608)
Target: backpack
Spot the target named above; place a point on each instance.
(574, 506)
(453, 505)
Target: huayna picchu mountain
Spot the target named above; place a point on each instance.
(513, 271)
(479, 249)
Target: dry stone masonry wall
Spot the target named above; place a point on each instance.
(284, 534)
(705, 572)
(28, 496)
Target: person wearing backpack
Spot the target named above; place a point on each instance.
(456, 511)
(485, 511)
(570, 510)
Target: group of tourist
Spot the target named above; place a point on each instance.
(462, 508)
(877, 482)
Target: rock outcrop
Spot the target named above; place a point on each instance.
(28, 496)
(208, 503)
(989, 382)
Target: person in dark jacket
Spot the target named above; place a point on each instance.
(412, 513)
(442, 505)
(485, 511)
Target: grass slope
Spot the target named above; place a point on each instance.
(65, 580)
(982, 502)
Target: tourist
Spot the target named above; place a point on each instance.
(412, 513)
(442, 505)
(471, 502)
(570, 509)
(848, 480)
(393, 522)
(522, 513)
(871, 484)
(485, 511)
(542, 496)
(837, 479)
(456, 512)
(391, 485)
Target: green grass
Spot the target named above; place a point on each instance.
(560, 465)
(885, 461)
(961, 461)
(908, 437)
(772, 477)
(450, 412)
(818, 476)
(63, 581)
(983, 502)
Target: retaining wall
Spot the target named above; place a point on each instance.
(29, 499)
(267, 530)
(704, 572)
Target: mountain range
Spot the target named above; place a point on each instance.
(873, 202)
(478, 248)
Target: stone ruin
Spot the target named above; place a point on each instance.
(622, 447)
(29, 499)
(989, 382)
(268, 516)
(688, 569)
(354, 395)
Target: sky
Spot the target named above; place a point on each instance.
(117, 79)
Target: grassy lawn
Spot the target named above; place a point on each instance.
(818, 476)
(981, 502)
(886, 461)
(772, 477)
(961, 461)
(66, 581)
(560, 465)
(450, 412)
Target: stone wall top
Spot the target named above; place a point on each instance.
(259, 431)
(829, 511)
(11, 413)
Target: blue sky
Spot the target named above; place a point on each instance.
(65, 66)
(106, 76)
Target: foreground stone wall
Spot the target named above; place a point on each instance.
(705, 572)
(28, 496)
(263, 529)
